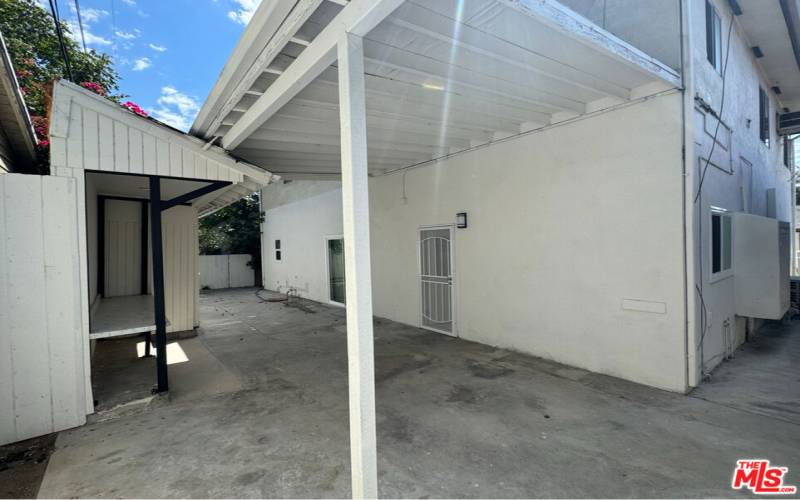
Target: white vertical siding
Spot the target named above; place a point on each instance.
(42, 369)
(123, 248)
(179, 227)
(95, 136)
(91, 142)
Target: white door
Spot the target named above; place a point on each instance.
(123, 248)
(436, 279)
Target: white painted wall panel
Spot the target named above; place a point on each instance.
(553, 249)
(123, 248)
(181, 267)
(301, 225)
(226, 271)
(42, 370)
(91, 140)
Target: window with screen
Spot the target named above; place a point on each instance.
(720, 243)
(713, 37)
(763, 116)
(277, 249)
(788, 151)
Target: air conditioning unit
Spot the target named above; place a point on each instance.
(761, 266)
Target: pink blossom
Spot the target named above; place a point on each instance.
(94, 87)
(135, 108)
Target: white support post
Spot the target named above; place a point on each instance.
(358, 281)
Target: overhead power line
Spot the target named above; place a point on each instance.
(60, 35)
(80, 24)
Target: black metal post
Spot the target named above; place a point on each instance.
(143, 263)
(148, 339)
(158, 284)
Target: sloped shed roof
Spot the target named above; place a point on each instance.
(90, 132)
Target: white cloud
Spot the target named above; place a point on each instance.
(176, 109)
(92, 40)
(141, 64)
(91, 15)
(132, 3)
(125, 35)
(88, 17)
(157, 48)
(244, 11)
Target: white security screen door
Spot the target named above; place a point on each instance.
(436, 278)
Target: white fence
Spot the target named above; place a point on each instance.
(226, 271)
(41, 340)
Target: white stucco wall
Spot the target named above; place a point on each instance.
(300, 214)
(564, 225)
(735, 184)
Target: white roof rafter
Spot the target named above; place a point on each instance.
(441, 77)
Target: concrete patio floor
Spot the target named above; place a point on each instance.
(455, 419)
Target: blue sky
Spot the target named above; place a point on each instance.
(168, 53)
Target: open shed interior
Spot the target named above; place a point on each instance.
(120, 260)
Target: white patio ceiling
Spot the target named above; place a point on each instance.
(441, 77)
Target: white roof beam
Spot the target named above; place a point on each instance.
(396, 98)
(429, 22)
(477, 106)
(358, 17)
(291, 134)
(375, 123)
(253, 145)
(284, 164)
(554, 14)
(301, 12)
(549, 78)
(511, 93)
(257, 156)
(266, 20)
(311, 176)
(475, 111)
(300, 41)
(401, 121)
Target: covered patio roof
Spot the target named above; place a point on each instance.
(441, 77)
(312, 80)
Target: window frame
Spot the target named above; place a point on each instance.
(328, 239)
(278, 255)
(723, 272)
(713, 37)
(764, 131)
(786, 153)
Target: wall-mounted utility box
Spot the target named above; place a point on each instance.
(761, 266)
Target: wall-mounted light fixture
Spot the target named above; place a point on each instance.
(461, 220)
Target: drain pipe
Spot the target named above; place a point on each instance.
(689, 186)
